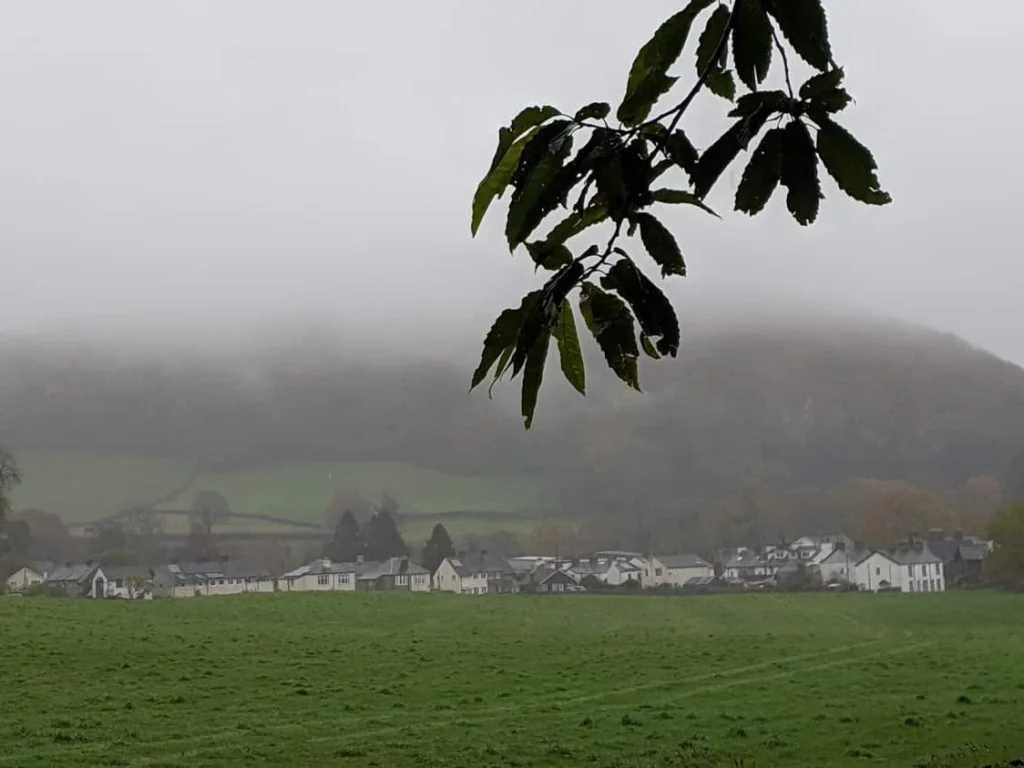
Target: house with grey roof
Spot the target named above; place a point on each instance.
(552, 579)
(132, 582)
(216, 577)
(77, 580)
(320, 575)
(478, 574)
(924, 570)
(962, 555)
(676, 570)
(28, 576)
(395, 573)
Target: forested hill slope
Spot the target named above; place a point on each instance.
(801, 402)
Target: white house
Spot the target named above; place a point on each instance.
(877, 570)
(321, 575)
(841, 565)
(922, 569)
(130, 582)
(621, 571)
(28, 576)
(395, 573)
(475, 575)
(676, 570)
(210, 578)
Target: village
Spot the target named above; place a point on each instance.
(934, 563)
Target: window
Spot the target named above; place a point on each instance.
(932, 584)
(402, 581)
(911, 567)
(657, 571)
(323, 579)
(221, 581)
(911, 586)
(878, 571)
(118, 583)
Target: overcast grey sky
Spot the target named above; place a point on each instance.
(164, 160)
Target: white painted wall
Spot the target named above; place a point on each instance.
(924, 577)
(322, 582)
(22, 579)
(875, 569)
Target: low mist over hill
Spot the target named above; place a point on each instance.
(775, 404)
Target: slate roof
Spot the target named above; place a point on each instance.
(318, 567)
(77, 573)
(545, 573)
(481, 563)
(216, 569)
(911, 555)
(683, 561)
(973, 551)
(115, 572)
(699, 581)
(371, 570)
(854, 556)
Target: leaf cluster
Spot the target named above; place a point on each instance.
(592, 173)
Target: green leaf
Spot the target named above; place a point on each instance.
(502, 336)
(751, 42)
(681, 197)
(494, 183)
(804, 25)
(542, 158)
(761, 176)
(549, 256)
(612, 325)
(610, 181)
(682, 151)
(714, 40)
(576, 222)
(723, 151)
(800, 173)
(569, 353)
(636, 173)
(660, 244)
(540, 316)
(647, 76)
(533, 375)
(721, 83)
(821, 83)
(525, 120)
(648, 347)
(850, 163)
(650, 305)
(599, 110)
(636, 107)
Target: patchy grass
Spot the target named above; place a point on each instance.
(439, 680)
(82, 487)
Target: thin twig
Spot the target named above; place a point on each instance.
(607, 252)
(785, 60)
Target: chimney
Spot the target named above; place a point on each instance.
(936, 534)
(359, 558)
(483, 553)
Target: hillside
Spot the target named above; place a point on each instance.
(808, 402)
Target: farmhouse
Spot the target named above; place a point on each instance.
(475, 575)
(841, 565)
(28, 576)
(131, 582)
(676, 570)
(210, 578)
(877, 570)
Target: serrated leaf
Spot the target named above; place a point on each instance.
(543, 156)
(681, 150)
(804, 25)
(612, 325)
(647, 76)
(751, 42)
(800, 173)
(761, 176)
(636, 173)
(832, 101)
(502, 336)
(576, 222)
(648, 347)
(610, 181)
(549, 256)
(598, 110)
(660, 244)
(540, 316)
(723, 151)
(636, 107)
(497, 179)
(751, 103)
(711, 48)
(527, 118)
(569, 353)
(681, 197)
(652, 308)
(850, 163)
(533, 376)
(821, 83)
(721, 83)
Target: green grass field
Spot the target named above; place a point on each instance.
(83, 487)
(439, 680)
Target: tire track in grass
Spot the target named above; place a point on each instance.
(410, 728)
(478, 715)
